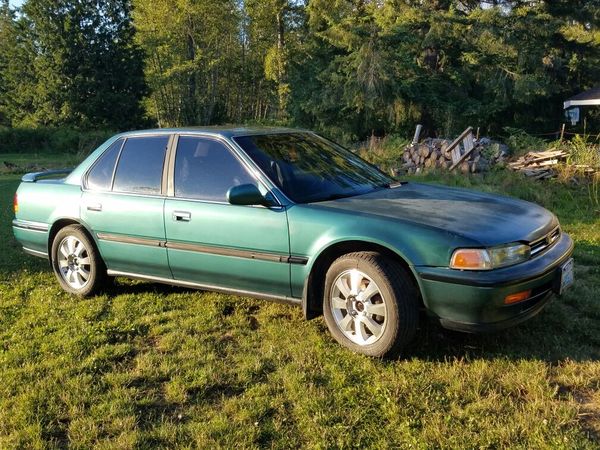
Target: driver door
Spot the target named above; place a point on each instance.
(213, 243)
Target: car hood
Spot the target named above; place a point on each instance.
(486, 218)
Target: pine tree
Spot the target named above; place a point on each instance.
(74, 63)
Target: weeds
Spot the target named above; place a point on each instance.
(583, 150)
(383, 152)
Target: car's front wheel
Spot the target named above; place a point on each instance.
(76, 262)
(370, 304)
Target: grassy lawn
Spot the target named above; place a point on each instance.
(148, 365)
(39, 161)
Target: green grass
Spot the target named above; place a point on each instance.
(36, 162)
(148, 365)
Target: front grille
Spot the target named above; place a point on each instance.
(540, 245)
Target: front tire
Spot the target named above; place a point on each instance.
(76, 262)
(370, 304)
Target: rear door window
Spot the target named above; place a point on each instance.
(140, 165)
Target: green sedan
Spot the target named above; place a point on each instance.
(289, 216)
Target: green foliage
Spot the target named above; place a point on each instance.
(583, 150)
(349, 68)
(216, 61)
(520, 142)
(447, 65)
(71, 63)
(383, 153)
(50, 140)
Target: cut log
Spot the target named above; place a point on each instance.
(424, 150)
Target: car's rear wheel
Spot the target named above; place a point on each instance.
(370, 304)
(76, 262)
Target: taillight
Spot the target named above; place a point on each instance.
(16, 203)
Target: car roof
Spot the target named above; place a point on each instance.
(225, 131)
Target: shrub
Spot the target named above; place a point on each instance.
(520, 142)
(50, 140)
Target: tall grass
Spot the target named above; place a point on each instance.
(583, 150)
(384, 152)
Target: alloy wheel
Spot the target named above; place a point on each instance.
(358, 307)
(74, 262)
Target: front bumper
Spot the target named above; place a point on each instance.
(474, 301)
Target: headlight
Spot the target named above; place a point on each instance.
(489, 258)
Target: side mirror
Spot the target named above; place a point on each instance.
(248, 194)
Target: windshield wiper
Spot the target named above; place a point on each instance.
(334, 197)
(393, 184)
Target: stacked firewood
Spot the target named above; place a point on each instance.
(539, 165)
(435, 154)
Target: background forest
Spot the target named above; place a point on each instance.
(348, 68)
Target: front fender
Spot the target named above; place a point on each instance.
(314, 229)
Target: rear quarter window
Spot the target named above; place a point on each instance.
(100, 177)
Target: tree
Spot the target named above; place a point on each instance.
(194, 59)
(383, 66)
(6, 39)
(351, 68)
(74, 63)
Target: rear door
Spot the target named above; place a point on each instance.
(123, 204)
(214, 243)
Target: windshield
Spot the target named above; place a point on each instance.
(308, 168)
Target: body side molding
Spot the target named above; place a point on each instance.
(213, 250)
(30, 225)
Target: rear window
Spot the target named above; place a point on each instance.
(100, 177)
(140, 165)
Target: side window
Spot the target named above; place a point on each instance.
(100, 177)
(205, 169)
(140, 166)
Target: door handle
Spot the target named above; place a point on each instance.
(94, 207)
(182, 216)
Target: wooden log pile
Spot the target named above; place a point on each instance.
(435, 154)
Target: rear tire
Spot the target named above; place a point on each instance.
(76, 262)
(370, 304)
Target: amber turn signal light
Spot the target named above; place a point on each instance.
(516, 298)
(470, 259)
(16, 203)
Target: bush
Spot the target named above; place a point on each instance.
(520, 142)
(50, 140)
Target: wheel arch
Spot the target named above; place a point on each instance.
(314, 283)
(62, 222)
